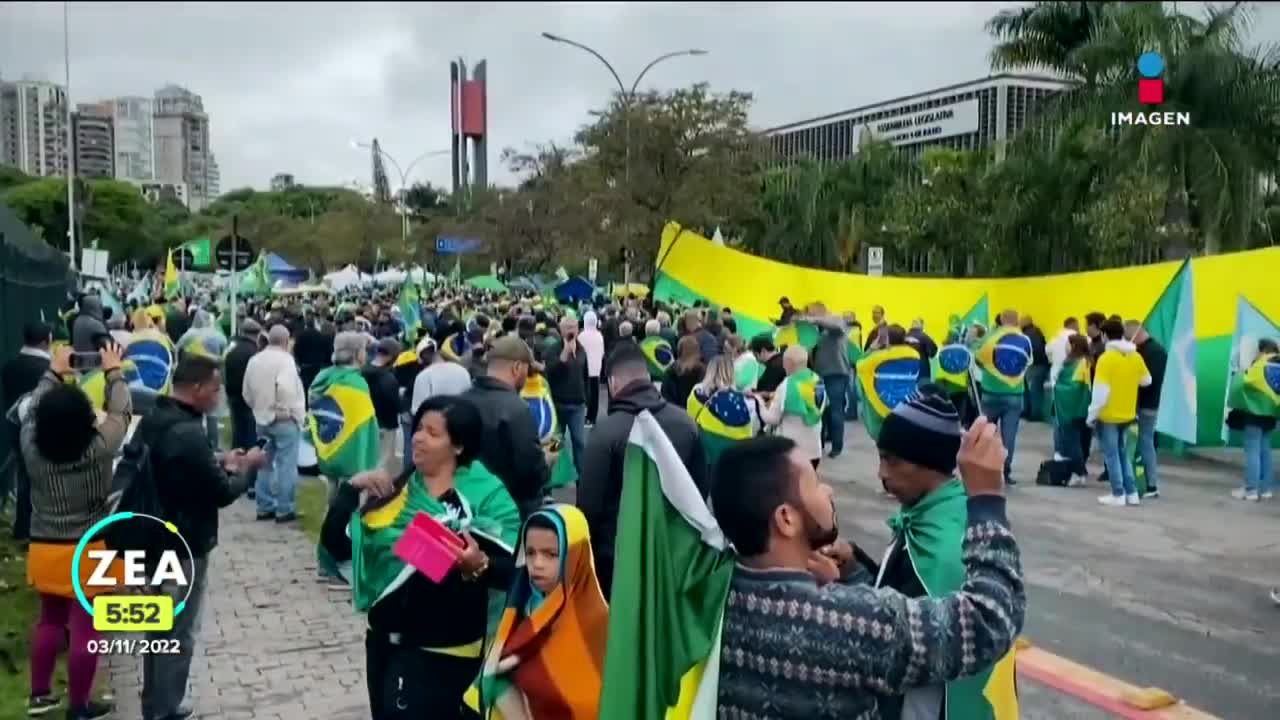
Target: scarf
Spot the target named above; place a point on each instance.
(932, 533)
(806, 397)
(545, 661)
(488, 513)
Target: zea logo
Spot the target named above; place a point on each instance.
(1151, 69)
(131, 589)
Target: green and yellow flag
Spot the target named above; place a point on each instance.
(1072, 392)
(658, 355)
(343, 426)
(1004, 358)
(806, 396)
(800, 332)
(932, 530)
(885, 378)
(672, 569)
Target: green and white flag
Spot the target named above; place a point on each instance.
(672, 569)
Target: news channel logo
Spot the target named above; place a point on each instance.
(141, 574)
(1151, 78)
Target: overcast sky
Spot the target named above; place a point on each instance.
(287, 86)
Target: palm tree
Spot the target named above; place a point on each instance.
(1232, 94)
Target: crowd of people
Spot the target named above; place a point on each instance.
(472, 408)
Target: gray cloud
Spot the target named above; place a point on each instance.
(288, 85)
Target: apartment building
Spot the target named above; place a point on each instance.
(33, 127)
(93, 135)
(131, 119)
(180, 132)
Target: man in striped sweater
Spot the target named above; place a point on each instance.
(805, 637)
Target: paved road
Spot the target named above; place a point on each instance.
(1171, 594)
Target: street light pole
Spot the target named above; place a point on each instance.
(404, 181)
(70, 137)
(628, 96)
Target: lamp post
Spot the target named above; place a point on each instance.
(628, 96)
(404, 180)
(70, 138)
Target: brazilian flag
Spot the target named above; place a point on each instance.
(1257, 390)
(886, 377)
(149, 361)
(343, 426)
(537, 394)
(800, 332)
(410, 310)
(951, 368)
(94, 384)
(658, 354)
(1004, 358)
(723, 417)
(853, 346)
(455, 347)
(933, 532)
(806, 396)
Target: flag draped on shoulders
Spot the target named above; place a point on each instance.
(885, 378)
(1005, 355)
(1257, 390)
(537, 395)
(723, 417)
(658, 355)
(933, 532)
(1072, 393)
(344, 428)
(557, 640)
(489, 514)
(672, 570)
(806, 396)
(149, 361)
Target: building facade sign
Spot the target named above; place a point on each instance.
(931, 124)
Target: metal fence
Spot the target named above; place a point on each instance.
(33, 280)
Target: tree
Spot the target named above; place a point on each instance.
(424, 199)
(687, 155)
(1048, 36)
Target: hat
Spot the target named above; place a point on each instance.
(512, 349)
(426, 344)
(924, 430)
(389, 347)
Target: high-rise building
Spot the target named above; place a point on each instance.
(972, 115)
(215, 178)
(33, 127)
(93, 135)
(180, 129)
(131, 119)
(281, 182)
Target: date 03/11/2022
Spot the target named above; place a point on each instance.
(134, 646)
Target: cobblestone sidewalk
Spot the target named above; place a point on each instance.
(274, 644)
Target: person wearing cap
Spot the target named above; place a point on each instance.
(918, 444)
(384, 391)
(511, 449)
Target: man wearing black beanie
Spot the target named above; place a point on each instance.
(918, 444)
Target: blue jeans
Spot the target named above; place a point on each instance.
(837, 389)
(1147, 447)
(851, 399)
(1004, 410)
(278, 479)
(1119, 468)
(1258, 474)
(573, 418)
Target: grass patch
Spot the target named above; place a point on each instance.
(312, 501)
(18, 607)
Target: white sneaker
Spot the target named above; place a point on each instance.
(1112, 500)
(1132, 499)
(1266, 495)
(1059, 457)
(1077, 481)
(1151, 495)
(1275, 596)
(1242, 494)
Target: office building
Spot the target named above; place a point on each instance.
(154, 192)
(968, 116)
(93, 135)
(180, 132)
(131, 119)
(33, 127)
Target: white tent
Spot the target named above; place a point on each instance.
(390, 276)
(342, 279)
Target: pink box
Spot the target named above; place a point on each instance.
(426, 545)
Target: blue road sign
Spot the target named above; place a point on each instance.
(456, 245)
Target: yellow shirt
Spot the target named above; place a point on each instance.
(1121, 371)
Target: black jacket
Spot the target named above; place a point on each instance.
(191, 483)
(1156, 358)
(20, 376)
(88, 330)
(511, 449)
(1039, 350)
(600, 483)
(384, 391)
(242, 350)
(568, 378)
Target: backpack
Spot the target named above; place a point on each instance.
(134, 490)
(1055, 473)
